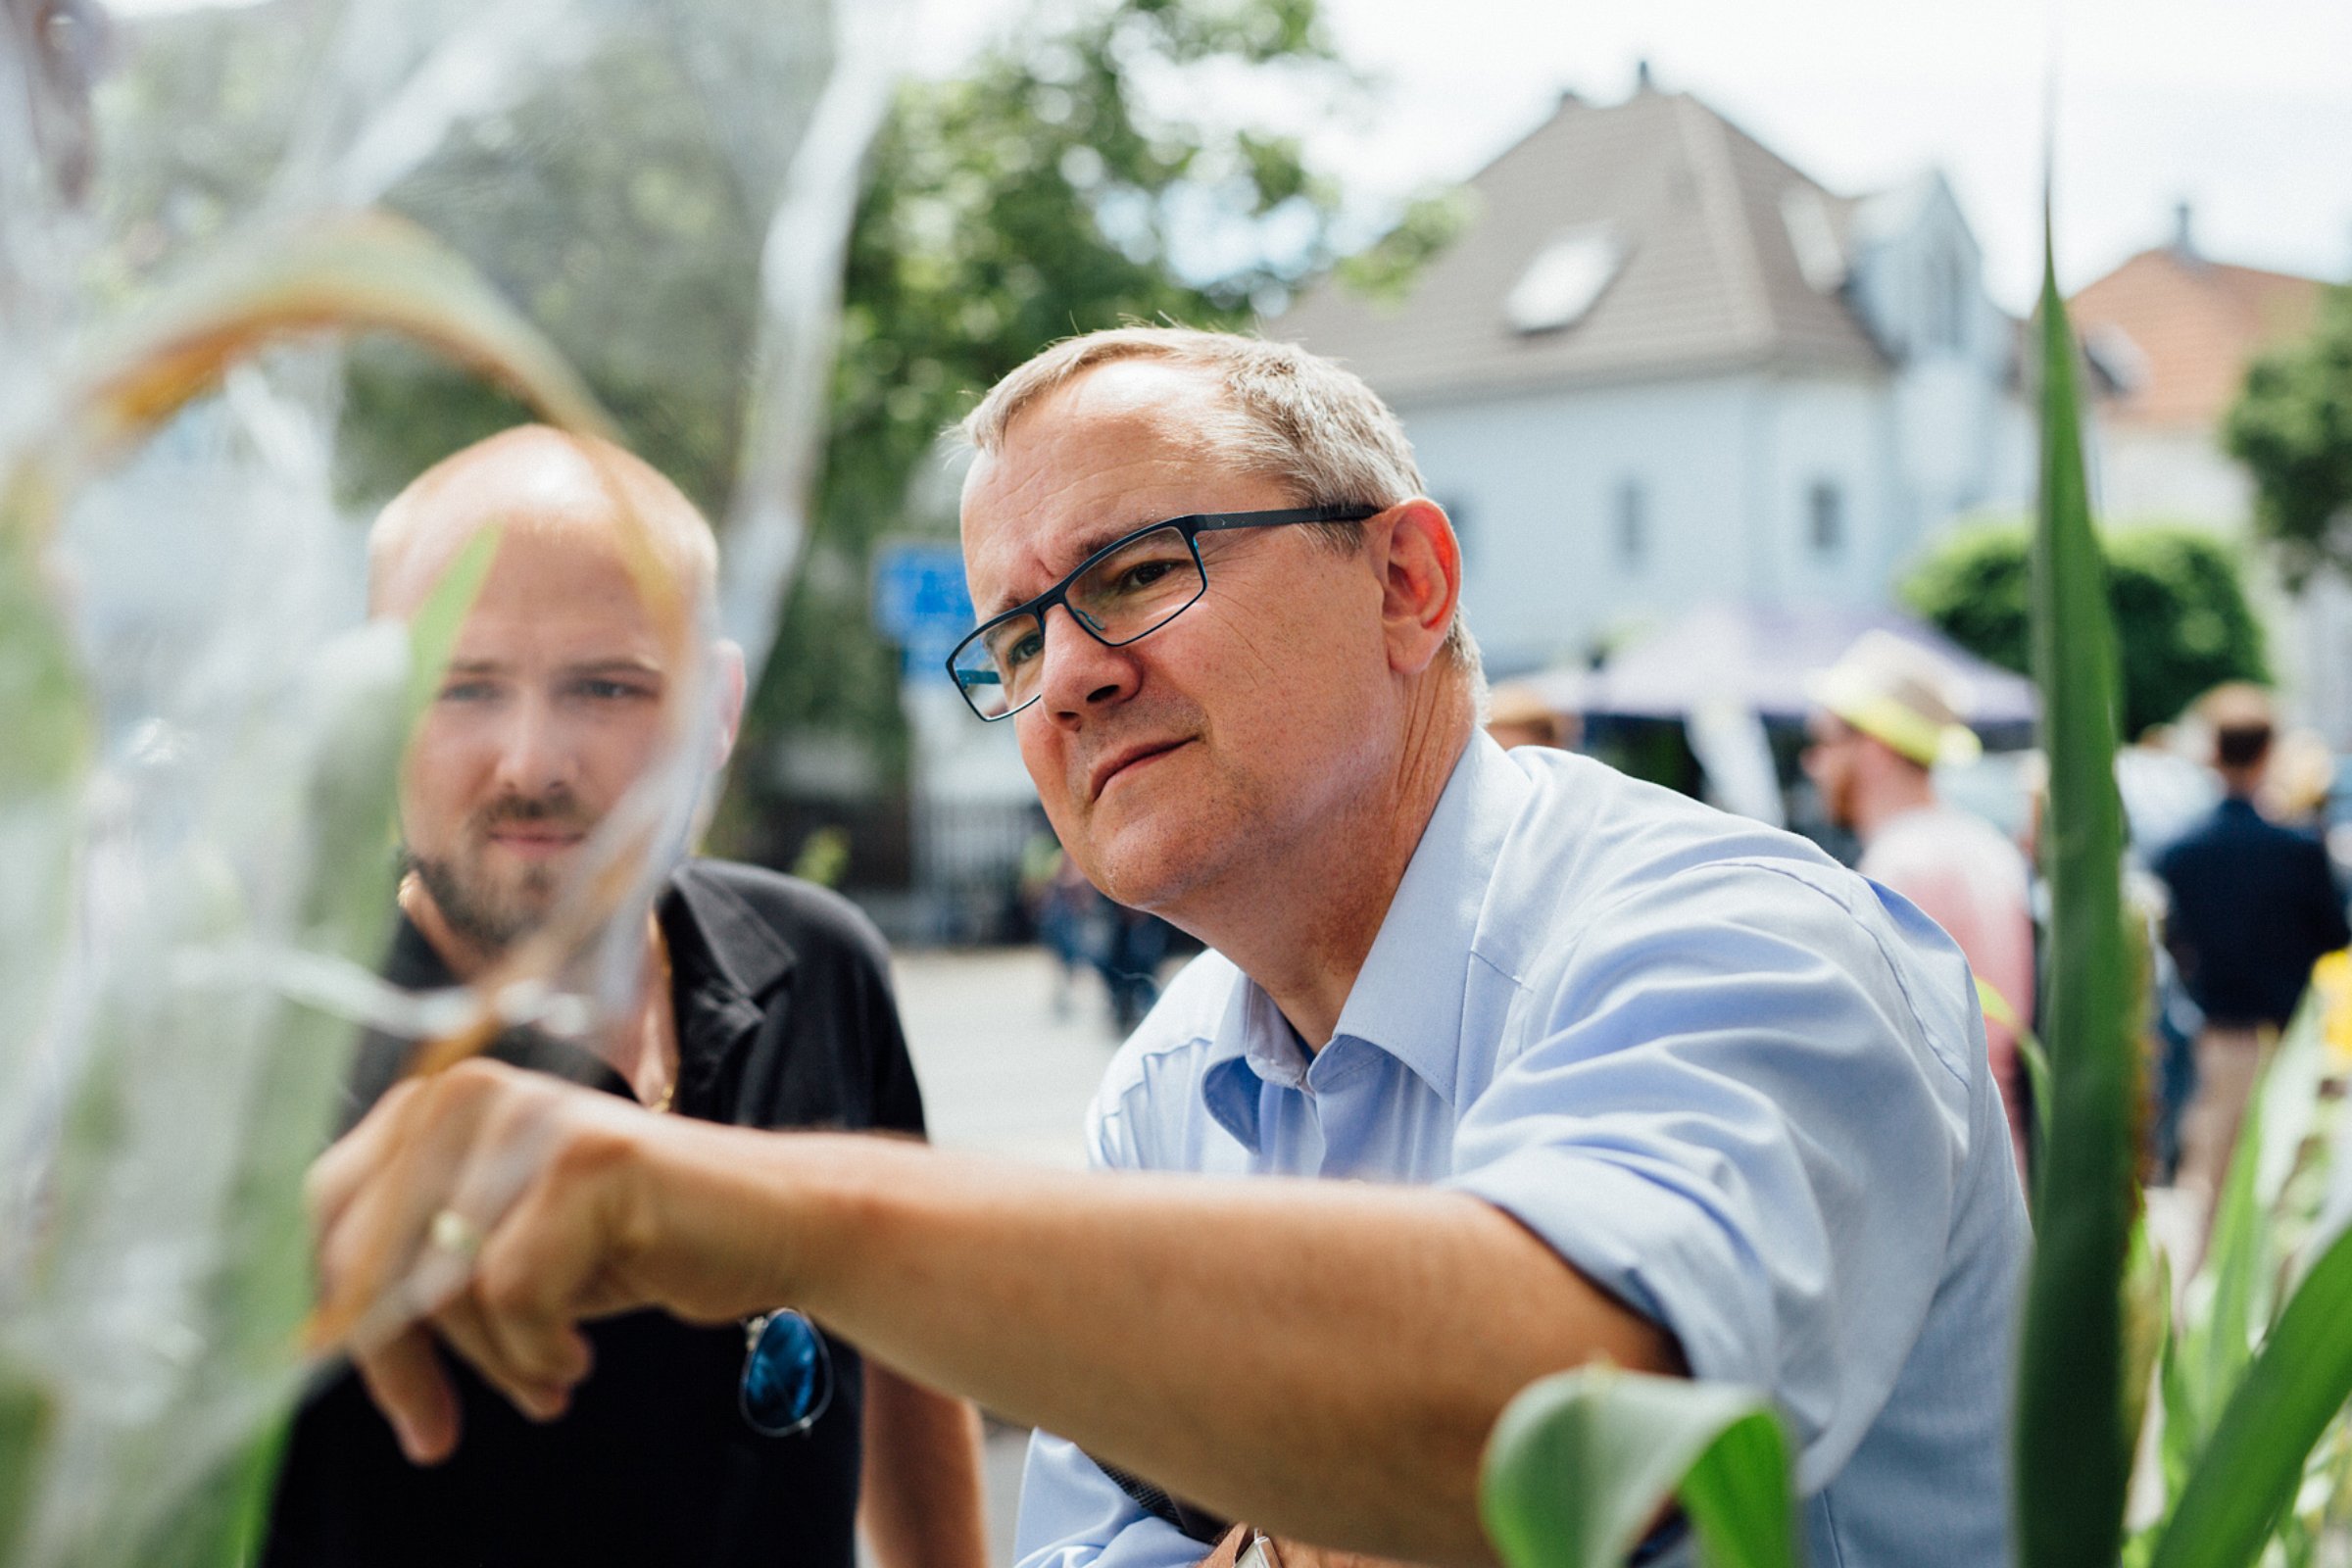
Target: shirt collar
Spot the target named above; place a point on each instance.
(1407, 999)
(724, 958)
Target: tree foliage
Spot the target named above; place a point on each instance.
(1104, 164)
(2177, 594)
(1058, 186)
(2293, 428)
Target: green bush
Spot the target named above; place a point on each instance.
(2177, 592)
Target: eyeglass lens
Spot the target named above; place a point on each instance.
(1133, 591)
(787, 1374)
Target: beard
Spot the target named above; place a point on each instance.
(489, 913)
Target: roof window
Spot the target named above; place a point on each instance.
(1566, 278)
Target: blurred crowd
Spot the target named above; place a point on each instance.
(2235, 855)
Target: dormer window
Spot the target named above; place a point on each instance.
(1564, 280)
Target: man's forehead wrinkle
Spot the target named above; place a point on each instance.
(1085, 467)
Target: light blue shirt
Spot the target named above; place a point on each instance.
(1737, 1086)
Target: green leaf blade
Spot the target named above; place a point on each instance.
(2248, 1472)
(2073, 1451)
(1582, 1463)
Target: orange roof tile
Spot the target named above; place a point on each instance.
(2192, 326)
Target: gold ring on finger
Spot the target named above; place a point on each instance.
(453, 1232)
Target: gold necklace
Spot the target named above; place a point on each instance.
(411, 891)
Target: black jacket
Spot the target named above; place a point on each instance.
(2254, 905)
(785, 1019)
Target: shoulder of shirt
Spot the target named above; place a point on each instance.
(1589, 839)
(816, 923)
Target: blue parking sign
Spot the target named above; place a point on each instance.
(920, 602)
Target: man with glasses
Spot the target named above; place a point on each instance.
(764, 1003)
(1498, 1064)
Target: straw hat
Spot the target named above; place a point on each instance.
(1900, 695)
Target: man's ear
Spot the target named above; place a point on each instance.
(1421, 584)
(729, 674)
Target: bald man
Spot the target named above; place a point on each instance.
(762, 1001)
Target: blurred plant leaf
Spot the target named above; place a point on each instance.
(45, 717)
(204, 1466)
(2248, 1472)
(2184, 1423)
(2072, 1452)
(351, 273)
(1580, 1464)
(25, 1422)
(2147, 1325)
(433, 630)
(2223, 1342)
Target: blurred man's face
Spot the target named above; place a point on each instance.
(551, 710)
(1205, 750)
(1831, 762)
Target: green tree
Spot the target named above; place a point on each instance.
(2177, 595)
(1054, 187)
(2293, 428)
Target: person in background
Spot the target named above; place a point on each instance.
(1886, 714)
(763, 1001)
(2254, 905)
(1517, 714)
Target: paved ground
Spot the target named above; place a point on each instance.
(1004, 1074)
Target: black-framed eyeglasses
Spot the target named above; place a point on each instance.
(1125, 591)
(787, 1374)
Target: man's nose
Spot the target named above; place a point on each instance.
(534, 751)
(1081, 673)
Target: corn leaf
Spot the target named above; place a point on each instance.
(2072, 1452)
(352, 272)
(433, 630)
(2147, 1324)
(369, 694)
(2184, 1421)
(2234, 1260)
(2249, 1470)
(25, 1419)
(1582, 1463)
(208, 1463)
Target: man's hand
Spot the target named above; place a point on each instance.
(497, 1206)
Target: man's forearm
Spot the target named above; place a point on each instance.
(921, 1502)
(1323, 1359)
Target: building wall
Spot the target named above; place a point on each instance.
(1732, 474)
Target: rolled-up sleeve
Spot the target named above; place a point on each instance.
(1731, 1117)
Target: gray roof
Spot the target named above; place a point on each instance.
(1710, 279)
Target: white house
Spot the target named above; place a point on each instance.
(1662, 365)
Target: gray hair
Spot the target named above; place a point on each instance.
(1297, 420)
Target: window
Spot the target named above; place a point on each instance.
(1825, 517)
(1564, 279)
(1632, 524)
